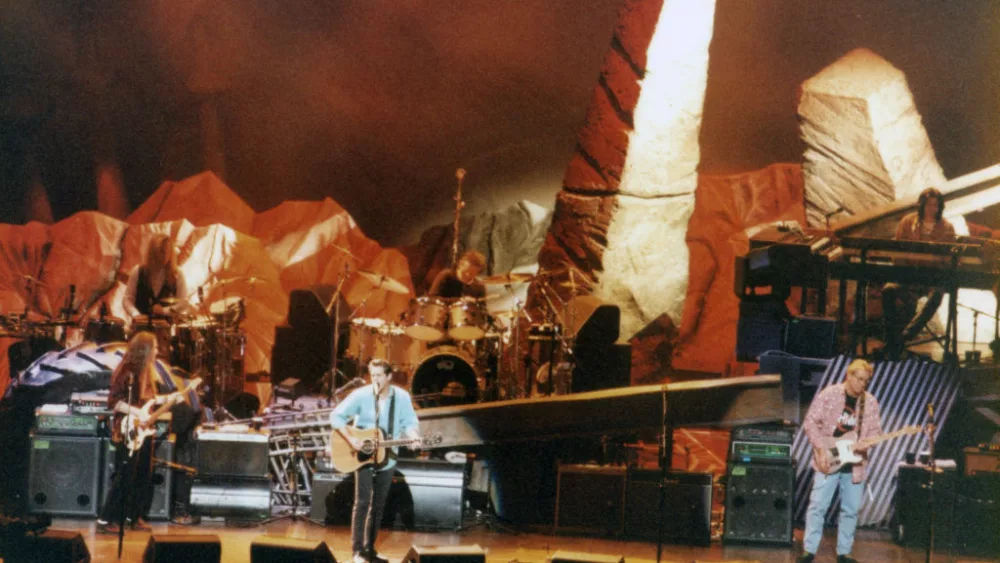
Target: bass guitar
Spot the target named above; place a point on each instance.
(842, 448)
(134, 432)
(346, 459)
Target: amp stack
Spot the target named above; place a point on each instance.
(759, 486)
(65, 459)
(233, 478)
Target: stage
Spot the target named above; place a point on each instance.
(534, 546)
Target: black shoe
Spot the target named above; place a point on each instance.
(359, 557)
(374, 557)
(846, 559)
(141, 525)
(107, 528)
(805, 558)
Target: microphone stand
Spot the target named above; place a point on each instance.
(370, 518)
(129, 481)
(666, 460)
(930, 482)
(333, 311)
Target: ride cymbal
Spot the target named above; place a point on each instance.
(384, 282)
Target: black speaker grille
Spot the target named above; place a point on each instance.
(65, 475)
(759, 503)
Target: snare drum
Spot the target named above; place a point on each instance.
(467, 319)
(427, 316)
(445, 376)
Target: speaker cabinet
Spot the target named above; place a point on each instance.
(590, 499)
(65, 475)
(761, 327)
(232, 454)
(332, 498)
(562, 556)
(193, 548)
(759, 503)
(302, 353)
(687, 507)
(270, 549)
(811, 337)
(445, 554)
(163, 477)
(52, 546)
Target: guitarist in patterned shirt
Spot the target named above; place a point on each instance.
(835, 411)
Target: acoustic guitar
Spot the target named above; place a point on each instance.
(346, 459)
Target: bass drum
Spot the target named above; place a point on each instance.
(445, 376)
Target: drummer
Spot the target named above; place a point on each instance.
(461, 281)
(155, 283)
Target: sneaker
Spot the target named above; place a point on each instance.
(806, 557)
(846, 559)
(358, 558)
(107, 527)
(141, 525)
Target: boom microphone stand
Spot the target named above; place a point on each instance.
(128, 483)
(930, 482)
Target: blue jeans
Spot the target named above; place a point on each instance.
(819, 500)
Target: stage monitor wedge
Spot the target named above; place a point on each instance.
(562, 556)
(445, 554)
(183, 548)
(271, 549)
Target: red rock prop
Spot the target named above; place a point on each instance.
(628, 193)
(865, 142)
(202, 200)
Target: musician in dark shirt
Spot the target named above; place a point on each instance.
(133, 383)
(461, 281)
(157, 279)
(903, 322)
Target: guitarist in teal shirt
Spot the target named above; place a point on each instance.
(393, 408)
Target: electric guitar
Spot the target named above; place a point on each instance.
(135, 433)
(346, 459)
(842, 449)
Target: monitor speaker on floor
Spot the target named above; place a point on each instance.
(561, 556)
(445, 554)
(52, 546)
(270, 549)
(176, 548)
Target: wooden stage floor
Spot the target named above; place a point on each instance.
(870, 545)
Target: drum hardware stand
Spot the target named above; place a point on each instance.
(459, 204)
(333, 312)
(295, 463)
(544, 289)
(516, 328)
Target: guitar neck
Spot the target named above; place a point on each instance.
(889, 436)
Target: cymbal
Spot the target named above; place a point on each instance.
(32, 279)
(249, 279)
(384, 282)
(508, 278)
(169, 301)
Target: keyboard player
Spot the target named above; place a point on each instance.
(900, 302)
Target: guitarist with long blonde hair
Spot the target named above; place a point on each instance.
(133, 454)
(388, 408)
(836, 411)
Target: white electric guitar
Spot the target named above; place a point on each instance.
(842, 449)
(134, 432)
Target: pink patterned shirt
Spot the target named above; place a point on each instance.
(826, 408)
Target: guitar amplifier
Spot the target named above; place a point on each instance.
(590, 499)
(65, 475)
(162, 478)
(62, 422)
(229, 453)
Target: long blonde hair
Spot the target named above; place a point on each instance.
(140, 356)
(161, 256)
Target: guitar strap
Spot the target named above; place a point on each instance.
(861, 412)
(390, 454)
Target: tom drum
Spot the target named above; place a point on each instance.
(427, 317)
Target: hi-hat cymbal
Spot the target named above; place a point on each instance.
(508, 278)
(168, 301)
(384, 282)
(222, 305)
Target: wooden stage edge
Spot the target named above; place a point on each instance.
(524, 547)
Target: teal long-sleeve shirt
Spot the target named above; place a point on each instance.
(359, 406)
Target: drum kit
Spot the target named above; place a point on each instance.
(454, 351)
(208, 343)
